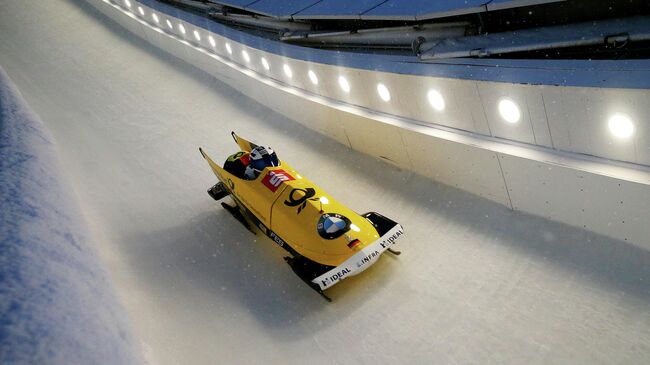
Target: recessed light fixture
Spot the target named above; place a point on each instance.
(509, 111)
(197, 36)
(436, 100)
(383, 92)
(312, 77)
(344, 84)
(621, 126)
(155, 18)
(182, 28)
(287, 70)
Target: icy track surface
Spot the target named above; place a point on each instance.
(476, 283)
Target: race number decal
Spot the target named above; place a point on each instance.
(275, 178)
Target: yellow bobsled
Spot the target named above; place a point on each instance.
(326, 240)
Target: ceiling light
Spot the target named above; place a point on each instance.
(621, 126)
(312, 77)
(344, 84)
(436, 100)
(287, 70)
(509, 111)
(383, 92)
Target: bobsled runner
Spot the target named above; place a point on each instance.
(326, 241)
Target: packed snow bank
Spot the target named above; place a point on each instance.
(56, 304)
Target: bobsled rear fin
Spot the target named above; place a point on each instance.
(245, 145)
(214, 166)
(381, 223)
(308, 270)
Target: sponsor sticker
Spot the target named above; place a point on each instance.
(279, 241)
(361, 260)
(275, 178)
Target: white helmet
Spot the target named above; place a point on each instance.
(262, 157)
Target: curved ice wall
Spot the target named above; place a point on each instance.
(567, 140)
(57, 305)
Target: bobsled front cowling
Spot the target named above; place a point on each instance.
(296, 215)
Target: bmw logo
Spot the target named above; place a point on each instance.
(332, 225)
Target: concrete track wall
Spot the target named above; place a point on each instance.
(514, 165)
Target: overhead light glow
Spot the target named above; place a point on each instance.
(354, 227)
(509, 111)
(182, 28)
(141, 10)
(155, 18)
(212, 42)
(247, 58)
(287, 70)
(344, 84)
(383, 92)
(128, 3)
(621, 126)
(312, 77)
(197, 36)
(436, 100)
(324, 200)
(265, 63)
(228, 48)
(169, 24)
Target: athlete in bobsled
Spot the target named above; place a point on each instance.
(327, 242)
(250, 165)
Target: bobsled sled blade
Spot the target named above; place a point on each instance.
(394, 252)
(307, 270)
(244, 144)
(238, 215)
(324, 296)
